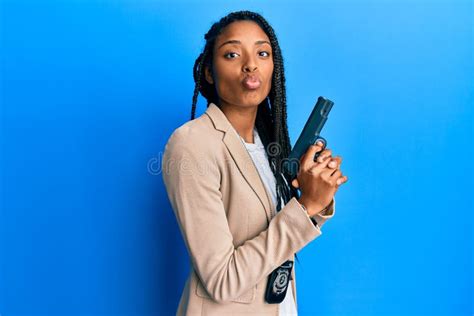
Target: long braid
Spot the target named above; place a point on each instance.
(197, 74)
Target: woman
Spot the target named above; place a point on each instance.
(239, 218)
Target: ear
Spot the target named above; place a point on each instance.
(208, 75)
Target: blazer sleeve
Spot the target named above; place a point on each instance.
(192, 179)
(321, 218)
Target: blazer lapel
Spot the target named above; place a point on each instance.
(240, 156)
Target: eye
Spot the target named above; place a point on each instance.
(265, 52)
(228, 55)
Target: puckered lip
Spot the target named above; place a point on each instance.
(251, 78)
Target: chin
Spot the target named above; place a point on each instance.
(247, 99)
(252, 100)
(250, 104)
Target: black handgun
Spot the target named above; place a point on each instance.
(309, 135)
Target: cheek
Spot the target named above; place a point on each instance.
(268, 68)
(269, 74)
(224, 76)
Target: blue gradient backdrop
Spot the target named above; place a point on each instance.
(91, 91)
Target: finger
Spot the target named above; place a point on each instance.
(327, 174)
(335, 162)
(308, 158)
(336, 174)
(317, 167)
(325, 154)
(341, 180)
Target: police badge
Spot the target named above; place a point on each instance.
(278, 282)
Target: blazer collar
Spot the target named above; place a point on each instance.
(242, 158)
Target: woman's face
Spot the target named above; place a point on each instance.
(242, 65)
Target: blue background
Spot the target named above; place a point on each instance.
(91, 91)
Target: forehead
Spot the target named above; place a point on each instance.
(242, 30)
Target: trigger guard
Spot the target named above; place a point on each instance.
(324, 146)
(321, 139)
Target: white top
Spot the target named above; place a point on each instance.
(260, 158)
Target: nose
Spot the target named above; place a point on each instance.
(249, 65)
(250, 68)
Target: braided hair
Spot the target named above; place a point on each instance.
(271, 114)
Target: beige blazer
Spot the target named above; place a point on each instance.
(228, 221)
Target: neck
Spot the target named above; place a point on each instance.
(242, 119)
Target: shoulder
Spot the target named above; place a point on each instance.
(194, 137)
(192, 147)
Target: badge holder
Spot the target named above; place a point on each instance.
(278, 282)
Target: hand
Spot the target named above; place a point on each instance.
(318, 180)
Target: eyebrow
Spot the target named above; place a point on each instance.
(239, 42)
